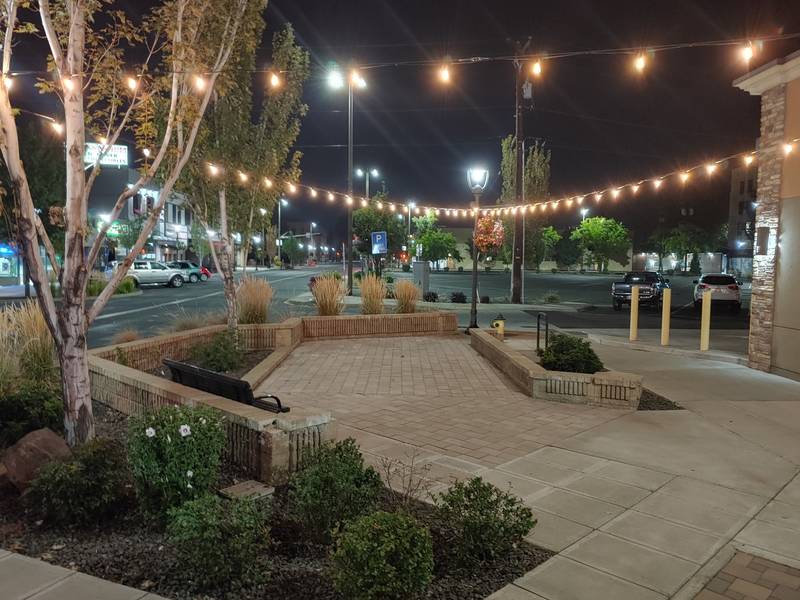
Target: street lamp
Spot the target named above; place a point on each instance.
(336, 81)
(366, 175)
(477, 179)
(584, 212)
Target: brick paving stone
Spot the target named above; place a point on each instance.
(733, 582)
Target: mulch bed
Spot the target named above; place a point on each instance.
(133, 551)
(652, 401)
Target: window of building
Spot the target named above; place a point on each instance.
(174, 213)
(741, 186)
(741, 229)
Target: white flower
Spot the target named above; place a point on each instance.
(185, 430)
(189, 485)
(189, 473)
(203, 420)
(150, 432)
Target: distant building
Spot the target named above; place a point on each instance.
(741, 220)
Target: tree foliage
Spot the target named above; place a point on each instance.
(291, 249)
(604, 239)
(369, 219)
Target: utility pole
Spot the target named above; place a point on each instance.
(519, 226)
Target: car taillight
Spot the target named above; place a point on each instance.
(733, 286)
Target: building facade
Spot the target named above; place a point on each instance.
(774, 342)
(741, 220)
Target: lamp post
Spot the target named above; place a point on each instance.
(336, 81)
(366, 174)
(477, 178)
(584, 212)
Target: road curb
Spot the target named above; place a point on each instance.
(709, 355)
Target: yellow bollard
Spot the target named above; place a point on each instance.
(705, 321)
(666, 301)
(634, 313)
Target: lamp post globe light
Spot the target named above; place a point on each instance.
(336, 81)
(366, 175)
(477, 179)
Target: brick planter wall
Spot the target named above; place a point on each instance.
(611, 389)
(343, 326)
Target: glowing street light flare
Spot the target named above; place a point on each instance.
(684, 176)
(357, 80)
(335, 79)
(199, 83)
(536, 68)
(274, 80)
(132, 84)
(444, 74)
(640, 62)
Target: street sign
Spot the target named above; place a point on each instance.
(379, 242)
(115, 156)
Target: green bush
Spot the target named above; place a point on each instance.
(406, 267)
(551, 297)
(487, 268)
(388, 279)
(483, 521)
(430, 297)
(97, 282)
(332, 487)
(458, 298)
(383, 556)
(175, 453)
(29, 406)
(554, 270)
(126, 286)
(568, 353)
(460, 269)
(89, 487)
(218, 540)
(221, 354)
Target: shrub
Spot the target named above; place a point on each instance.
(28, 406)
(332, 487)
(458, 298)
(484, 521)
(487, 268)
(97, 282)
(222, 353)
(125, 336)
(430, 297)
(568, 353)
(175, 454)
(670, 272)
(184, 321)
(389, 279)
(383, 555)
(253, 297)
(554, 270)
(551, 297)
(217, 540)
(407, 295)
(507, 269)
(89, 487)
(126, 286)
(373, 291)
(328, 294)
(446, 269)
(486, 300)
(406, 267)
(460, 269)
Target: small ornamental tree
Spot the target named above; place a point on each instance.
(180, 49)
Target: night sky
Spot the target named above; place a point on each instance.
(605, 124)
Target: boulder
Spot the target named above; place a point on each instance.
(23, 460)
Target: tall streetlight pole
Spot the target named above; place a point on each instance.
(361, 173)
(519, 227)
(477, 178)
(337, 81)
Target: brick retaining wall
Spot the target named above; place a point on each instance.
(342, 326)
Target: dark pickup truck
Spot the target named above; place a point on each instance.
(651, 285)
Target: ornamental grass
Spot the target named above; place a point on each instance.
(253, 297)
(373, 291)
(328, 292)
(407, 295)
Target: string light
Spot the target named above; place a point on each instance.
(684, 176)
(598, 196)
(213, 169)
(312, 192)
(274, 80)
(444, 74)
(640, 62)
(8, 82)
(199, 83)
(635, 188)
(379, 205)
(103, 140)
(710, 168)
(657, 183)
(747, 52)
(331, 197)
(615, 193)
(58, 127)
(364, 202)
(146, 152)
(348, 200)
(579, 199)
(243, 177)
(788, 149)
(69, 84)
(292, 188)
(748, 159)
(392, 207)
(267, 182)
(536, 68)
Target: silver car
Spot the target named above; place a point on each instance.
(146, 272)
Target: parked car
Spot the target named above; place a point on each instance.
(651, 287)
(724, 289)
(191, 271)
(145, 272)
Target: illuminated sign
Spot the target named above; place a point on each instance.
(115, 156)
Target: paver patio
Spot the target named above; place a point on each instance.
(639, 505)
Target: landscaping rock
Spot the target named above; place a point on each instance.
(24, 459)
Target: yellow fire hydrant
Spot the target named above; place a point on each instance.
(499, 324)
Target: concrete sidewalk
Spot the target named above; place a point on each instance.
(22, 577)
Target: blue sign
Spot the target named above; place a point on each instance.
(380, 242)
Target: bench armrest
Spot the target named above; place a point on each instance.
(276, 406)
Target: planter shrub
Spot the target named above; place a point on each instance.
(332, 487)
(483, 521)
(486, 300)
(175, 454)
(406, 267)
(29, 406)
(383, 556)
(568, 353)
(407, 295)
(253, 297)
(388, 279)
(221, 353)
(460, 269)
(373, 291)
(487, 269)
(126, 286)
(554, 270)
(328, 292)
(458, 298)
(551, 297)
(218, 540)
(89, 487)
(430, 297)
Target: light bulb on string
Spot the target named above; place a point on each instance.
(444, 74)
(243, 177)
(199, 83)
(710, 168)
(69, 84)
(379, 205)
(274, 80)
(635, 188)
(615, 193)
(364, 202)
(331, 197)
(132, 83)
(788, 149)
(747, 52)
(598, 196)
(267, 182)
(657, 183)
(8, 82)
(579, 199)
(348, 200)
(748, 159)
(640, 62)
(292, 188)
(392, 207)
(213, 169)
(536, 68)
(416, 210)
(684, 176)
(438, 212)
(146, 152)
(59, 128)
(447, 212)
(312, 192)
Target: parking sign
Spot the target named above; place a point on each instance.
(379, 242)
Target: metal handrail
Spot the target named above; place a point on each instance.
(546, 330)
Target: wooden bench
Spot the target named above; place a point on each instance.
(222, 385)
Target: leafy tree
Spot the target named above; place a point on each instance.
(694, 265)
(567, 251)
(130, 230)
(540, 243)
(658, 242)
(200, 245)
(290, 247)
(369, 219)
(438, 245)
(604, 239)
(96, 69)
(684, 239)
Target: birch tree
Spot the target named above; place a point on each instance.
(180, 49)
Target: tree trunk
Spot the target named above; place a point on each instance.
(229, 287)
(74, 361)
